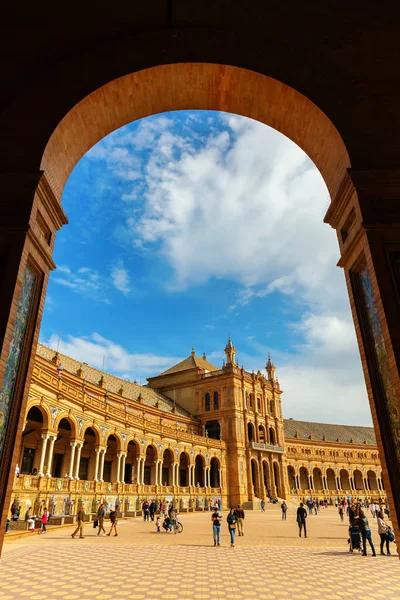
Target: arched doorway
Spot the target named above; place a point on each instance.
(330, 479)
(59, 464)
(110, 459)
(317, 477)
(254, 476)
(88, 454)
(358, 480)
(344, 480)
(261, 434)
(214, 472)
(32, 441)
(292, 478)
(131, 462)
(250, 432)
(277, 479)
(372, 480)
(199, 471)
(266, 477)
(149, 473)
(303, 478)
(213, 430)
(167, 467)
(184, 469)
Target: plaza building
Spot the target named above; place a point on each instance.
(194, 435)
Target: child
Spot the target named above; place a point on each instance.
(158, 524)
(45, 518)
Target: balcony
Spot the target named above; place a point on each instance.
(265, 447)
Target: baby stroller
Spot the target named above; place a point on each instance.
(354, 540)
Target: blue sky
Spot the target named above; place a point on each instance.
(187, 226)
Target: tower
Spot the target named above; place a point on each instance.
(270, 368)
(230, 352)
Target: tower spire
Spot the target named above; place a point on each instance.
(270, 368)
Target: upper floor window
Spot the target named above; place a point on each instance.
(271, 407)
(207, 402)
(251, 401)
(259, 405)
(216, 401)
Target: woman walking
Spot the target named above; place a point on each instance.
(45, 519)
(383, 532)
(365, 531)
(232, 524)
(114, 522)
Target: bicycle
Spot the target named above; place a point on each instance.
(177, 526)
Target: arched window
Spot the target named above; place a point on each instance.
(251, 402)
(216, 401)
(259, 405)
(207, 402)
(271, 407)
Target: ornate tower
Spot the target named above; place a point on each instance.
(230, 352)
(270, 368)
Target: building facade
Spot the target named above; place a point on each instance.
(194, 434)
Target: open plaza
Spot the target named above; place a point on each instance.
(269, 561)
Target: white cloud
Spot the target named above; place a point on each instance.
(93, 349)
(120, 278)
(84, 281)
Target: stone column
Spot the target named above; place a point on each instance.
(123, 460)
(30, 215)
(77, 459)
(96, 464)
(45, 439)
(118, 467)
(102, 456)
(156, 472)
(138, 470)
(220, 478)
(50, 452)
(71, 459)
(366, 215)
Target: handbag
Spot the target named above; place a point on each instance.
(232, 525)
(95, 524)
(390, 535)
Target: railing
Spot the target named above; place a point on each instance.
(267, 447)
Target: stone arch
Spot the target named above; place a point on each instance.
(303, 478)
(255, 476)
(131, 464)
(199, 463)
(358, 480)
(330, 479)
(251, 432)
(36, 421)
(292, 477)
(372, 480)
(266, 476)
(183, 469)
(262, 437)
(215, 466)
(203, 86)
(43, 409)
(72, 421)
(151, 456)
(277, 478)
(94, 428)
(113, 447)
(344, 479)
(317, 478)
(167, 466)
(272, 436)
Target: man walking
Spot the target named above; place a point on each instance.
(262, 505)
(301, 519)
(81, 521)
(240, 517)
(152, 509)
(101, 515)
(216, 522)
(284, 510)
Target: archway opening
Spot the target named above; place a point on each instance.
(199, 471)
(184, 469)
(292, 478)
(266, 478)
(277, 480)
(167, 466)
(58, 463)
(110, 459)
(214, 472)
(149, 473)
(372, 480)
(317, 477)
(272, 437)
(303, 478)
(330, 479)
(254, 476)
(358, 480)
(261, 434)
(32, 441)
(344, 480)
(213, 429)
(131, 462)
(250, 432)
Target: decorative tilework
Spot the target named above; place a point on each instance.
(381, 357)
(17, 339)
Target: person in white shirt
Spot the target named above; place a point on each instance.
(383, 532)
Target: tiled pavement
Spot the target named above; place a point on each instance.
(269, 562)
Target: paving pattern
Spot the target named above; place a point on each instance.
(270, 561)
